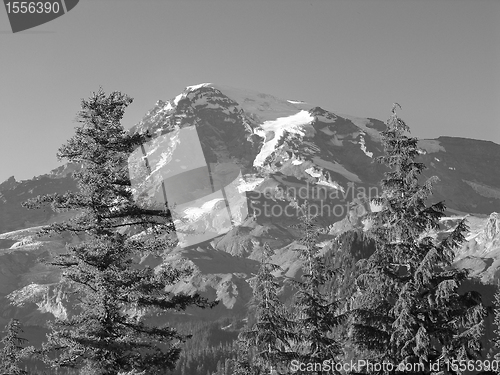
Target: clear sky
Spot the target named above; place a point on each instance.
(440, 59)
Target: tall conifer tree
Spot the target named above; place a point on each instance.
(12, 349)
(107, 334)
(272, 332)
(496, 323)
(316, 313)
(409, 310)
(242, 364)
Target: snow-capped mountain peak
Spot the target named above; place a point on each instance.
(259, 131)
(263, 107)
(280, 147)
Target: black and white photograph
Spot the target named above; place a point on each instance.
(250, 187)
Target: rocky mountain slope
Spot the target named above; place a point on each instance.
(284, 149)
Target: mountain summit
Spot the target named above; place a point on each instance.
(286, 151)
(291, 139)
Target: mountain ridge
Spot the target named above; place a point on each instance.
(321, 155)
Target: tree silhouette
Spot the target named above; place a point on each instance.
(13, 350)
(316, 311)
(273, 330)
(409, 310)
(108, 332)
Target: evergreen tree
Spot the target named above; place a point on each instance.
(317, 314)
(242, 364)
(409, 310)
(12, 351)
(344, 254)
(273, 331)
(108, 334)
(496, 323)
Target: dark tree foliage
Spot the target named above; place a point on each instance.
(12, 349)
(344, 255)
(496, 323)
(316, 311)
(242, 364)
(113, 292)
(408, 309)
(273, 331)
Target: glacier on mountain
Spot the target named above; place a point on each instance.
(276, 129)
(363, 147)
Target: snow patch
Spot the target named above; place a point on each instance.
(295, 101)
(313, 173)
(41, 295)
(249, 185)
(436, 159)
(275, 129)
(194, 213)
(297, 162)
(338, 168)
(20, 233)
(196, 87)
(178, 98)
(29, 293)
(332, 185)
(363, 148)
